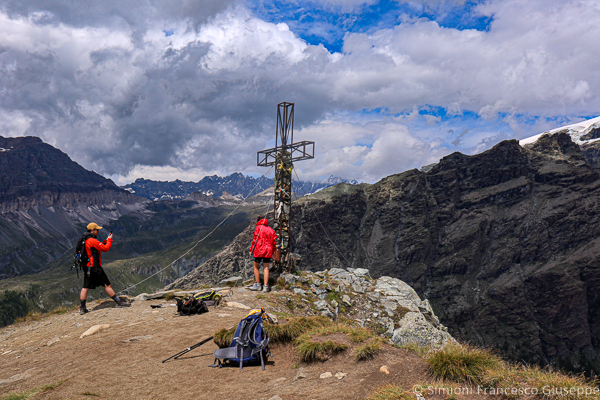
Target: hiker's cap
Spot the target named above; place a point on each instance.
(92, 226)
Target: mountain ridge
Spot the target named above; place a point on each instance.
(235, 184)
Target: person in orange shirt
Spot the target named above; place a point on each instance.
(93, 274)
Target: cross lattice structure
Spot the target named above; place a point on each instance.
(282, 156)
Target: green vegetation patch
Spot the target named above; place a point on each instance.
(282, 333)
(320, 344)
(223, 337)
(285, 333)
(391, 392)
(310, 350)
(13, 305)
(466, 364)
(462, 363)
(315, 338)
(421, 351)
(549, 384)
(368, 350)
(31, 393)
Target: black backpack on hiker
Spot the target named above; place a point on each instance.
(80, 258)
(191, 306)
(250, 344)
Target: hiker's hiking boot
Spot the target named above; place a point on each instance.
(256, 287)
(266, 289)
(83, 310)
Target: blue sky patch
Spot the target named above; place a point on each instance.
(327, 25)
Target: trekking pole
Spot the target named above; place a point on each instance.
(176, 356)
(182, 352)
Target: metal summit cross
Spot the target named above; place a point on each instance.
(282, 156)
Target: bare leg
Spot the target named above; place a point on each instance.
(83, 295)
(256, 272)
(109, 291)
(266, 272)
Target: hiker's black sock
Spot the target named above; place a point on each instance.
(82, 303)
(116, 298)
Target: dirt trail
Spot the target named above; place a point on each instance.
(124, 362)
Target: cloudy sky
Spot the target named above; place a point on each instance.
(164, 90)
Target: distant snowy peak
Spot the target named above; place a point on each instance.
(334, 180)
(581, 132)
(231, 188)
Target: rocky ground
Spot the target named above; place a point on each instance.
(122, 360)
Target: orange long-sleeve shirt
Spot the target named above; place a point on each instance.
(95, 243)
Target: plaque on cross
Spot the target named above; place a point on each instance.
(282, 156)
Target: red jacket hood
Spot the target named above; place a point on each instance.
(263, 221)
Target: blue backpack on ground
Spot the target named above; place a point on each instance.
(250, 344)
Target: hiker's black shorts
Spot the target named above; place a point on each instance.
(97, 278)
(265, 260)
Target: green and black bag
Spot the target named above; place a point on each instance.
(210, 298)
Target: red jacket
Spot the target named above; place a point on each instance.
(264, 240)
(95, 243)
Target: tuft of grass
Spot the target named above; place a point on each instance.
(90, 394)
(368, 350)
(261, 297)
(169, 296)
(280, 283)
(31, 316)
(290, 305)
(61, 310)
(503, 374)
(462, 363)
(31, 393)
(317, 351)
(285, 333)
(555, 385)
(310, 350)
(476, 366)
(223, 337)
(391, 392)
(359, 335)
(415, 348)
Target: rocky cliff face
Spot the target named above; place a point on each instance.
(45, 197)
(503, 244)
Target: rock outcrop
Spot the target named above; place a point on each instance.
(504, 245)
(393, 305)
(387, 305)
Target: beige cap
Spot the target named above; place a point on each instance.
(92, 226)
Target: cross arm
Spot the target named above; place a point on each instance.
(299, 151)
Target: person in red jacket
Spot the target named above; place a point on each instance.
(93, 274)
(263, 245)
